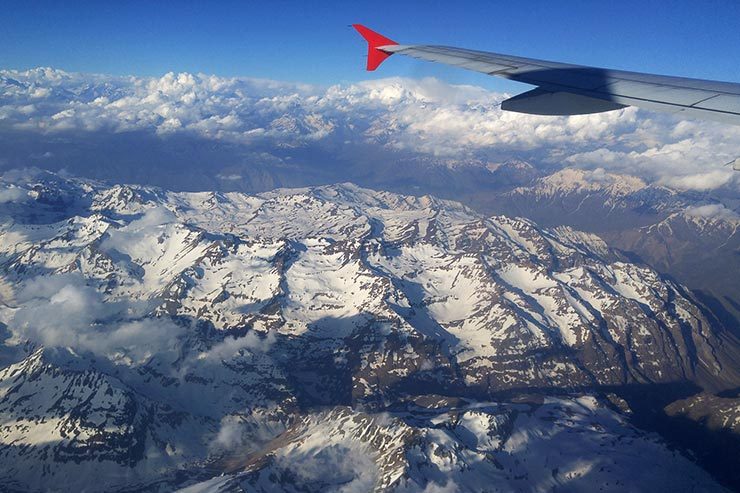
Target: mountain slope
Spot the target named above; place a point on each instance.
(227, 320)
(438, 445)
(687, 235)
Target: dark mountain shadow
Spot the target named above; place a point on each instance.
(715, 450)
(322, 372)
(323, 380)
(730, 393)
(719, 310)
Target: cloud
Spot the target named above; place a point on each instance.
(426, 118)
(713, 211)
(13, 194)
(231, 346)
(448, 487)
(247, 432)
(233, 433)
(708, 180)
(229, 177)
(63, 311)
(352, 469)
(138, 231)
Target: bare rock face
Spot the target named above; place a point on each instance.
(171, 337)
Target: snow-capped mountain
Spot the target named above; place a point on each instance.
(688, 235)
(438, 444)
(699, 245)
(156, 339)
(595, 200)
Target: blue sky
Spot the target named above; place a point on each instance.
(308, 42)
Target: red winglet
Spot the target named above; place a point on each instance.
(374, 56)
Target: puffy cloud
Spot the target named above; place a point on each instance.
(231, 346)
(708, 180)
(233, 433)
(713, 211)
(63, 311)
(448, 487)
(423, 117)
(13, 194)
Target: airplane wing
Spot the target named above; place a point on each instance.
(564, 89)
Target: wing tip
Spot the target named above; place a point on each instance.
(374, 56)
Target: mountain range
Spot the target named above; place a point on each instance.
(213, 341)
(691, 236)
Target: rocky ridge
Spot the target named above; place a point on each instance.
(224, 328)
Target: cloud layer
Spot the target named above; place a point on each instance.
(424, 118)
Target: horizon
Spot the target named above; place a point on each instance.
(231, 259)
(243, 117)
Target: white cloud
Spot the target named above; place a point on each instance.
(229, 177)
(62, 311)
(449, 487)
(351, 469)
(247, 432)
(708, 180)
(231, 346)
(713, 211)
(139, 230)
(425, 117)
(156, 216)
(233, 433)
(13, 194)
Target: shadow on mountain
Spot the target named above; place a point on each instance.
(716, 450)
(719, 309)
(55, 199)
(327, 378)
(324, 372)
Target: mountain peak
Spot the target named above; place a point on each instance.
(189, 334)
(570, 180)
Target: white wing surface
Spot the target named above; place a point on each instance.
(565, 89)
